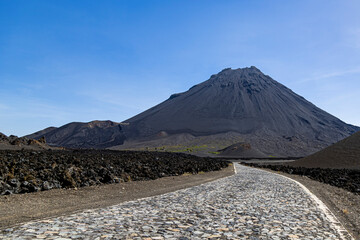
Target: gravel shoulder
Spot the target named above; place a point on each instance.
(20, 208)
(344, 204)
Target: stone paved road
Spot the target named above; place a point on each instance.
(253, 204)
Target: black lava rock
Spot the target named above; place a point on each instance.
(31, 171)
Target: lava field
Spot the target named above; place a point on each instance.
(32, 171)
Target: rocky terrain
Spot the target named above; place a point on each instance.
(244, 103)
(31, 171)
(15, 143)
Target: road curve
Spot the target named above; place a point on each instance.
(252, 204)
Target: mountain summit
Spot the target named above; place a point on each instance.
(241, 100)
(250, 104)
(244, 105)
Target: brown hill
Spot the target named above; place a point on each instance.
(241, 150)
(95, 134)
(344, 154)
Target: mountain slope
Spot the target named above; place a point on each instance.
(41, 133)
(241, 100)
(95, 134)
(343, 154)
(268, 115)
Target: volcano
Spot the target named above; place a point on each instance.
(243, 105)
(247, 104)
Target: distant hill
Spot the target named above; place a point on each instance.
(241, 150)
(344, 154)
(95, 134)
(242, 103)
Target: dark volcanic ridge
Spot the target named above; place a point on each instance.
(242, 102)
(95, 134)
(343, 154)
(31, 171)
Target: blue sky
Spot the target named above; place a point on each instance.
(64, 61)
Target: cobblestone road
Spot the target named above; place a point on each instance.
(252, 204)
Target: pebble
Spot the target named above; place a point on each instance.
(252, 204)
